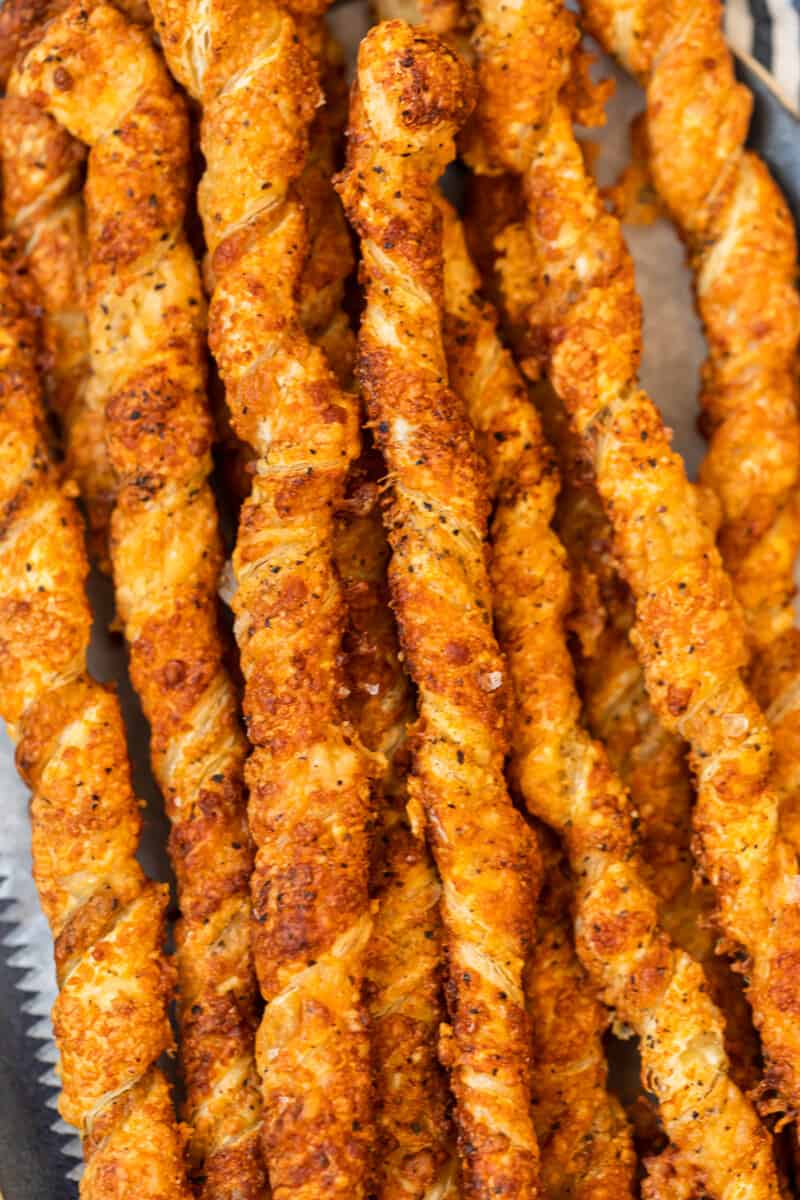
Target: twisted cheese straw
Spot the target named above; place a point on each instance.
(403, 978)
(585, 1141)
(566, 780)
(593, 1152)
(649, 759)
(569, 1076)
(413, 1153)
(42, 178)
(584, 1145)
(743, 253)
(412, 94)
(110, 1018)
(404, 959)
(100, 77)
(42, 205)
(329, 262)
(308, 775)
(688, 631)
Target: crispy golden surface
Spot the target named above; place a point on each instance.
(566, 780)
(743, 253)
(411, 97)
(688, 632)
(42, 172)
(414, 1154)
(585, 1144)
(649, 759)
(100, 77)
(309, 793)
(330, 252)
(110, 1018)
(329, 261)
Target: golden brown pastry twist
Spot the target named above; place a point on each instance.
(592, 1155)
(688, 631)
(308, 775)
(743, 253)
(413, 1153)
(99, 76)
(566, 780)
(584, 1138)
(650, 760)
(110, 1018)
(404, 984)
(412, 94)
(42, 174)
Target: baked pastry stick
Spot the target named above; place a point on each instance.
(688, 631)
(650, 760)
(652, 763)
(329, 261)
(411, 96)
(308, 775)
(99, 76)
(743, 253)
(42, 175)
(414, 1152)
(584, 1140)
(414, 1155)
(110, 1018)
(566, 780)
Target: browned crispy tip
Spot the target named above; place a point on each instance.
(21, 23)
(414, 86)
(20, 26)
